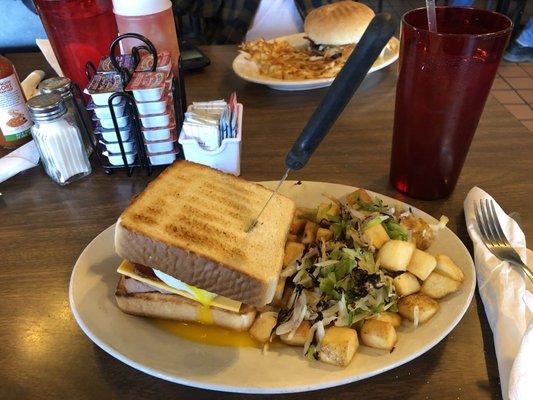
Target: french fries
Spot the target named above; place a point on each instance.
(447, 267)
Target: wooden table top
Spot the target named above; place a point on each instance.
(44, 228)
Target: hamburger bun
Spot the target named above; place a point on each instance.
(338, 23)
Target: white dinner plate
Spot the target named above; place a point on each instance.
(247, 69)
(141, 344)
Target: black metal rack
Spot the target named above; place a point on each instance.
(178, 91)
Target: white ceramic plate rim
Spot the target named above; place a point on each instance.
(311, 83)
(276, 390)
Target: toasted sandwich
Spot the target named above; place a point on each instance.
(187, 253)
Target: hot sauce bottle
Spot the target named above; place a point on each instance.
(15, 122)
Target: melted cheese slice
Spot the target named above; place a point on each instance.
(128, 269)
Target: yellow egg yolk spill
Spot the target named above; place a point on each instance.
(207, 334)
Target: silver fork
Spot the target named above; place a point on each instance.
(494, 238)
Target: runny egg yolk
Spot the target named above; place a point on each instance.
(207, 334)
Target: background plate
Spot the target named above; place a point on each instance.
(247, 69)
(140, 344)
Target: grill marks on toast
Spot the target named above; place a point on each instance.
(217, 239)
(204, 212)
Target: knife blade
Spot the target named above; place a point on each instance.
(342, 89)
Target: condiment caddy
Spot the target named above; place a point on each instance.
(136, 105)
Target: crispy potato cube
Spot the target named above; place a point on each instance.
(323, 234)
(298, 221)
(292, 238)
(392, 318)
(376, 235)
(437, 286)
(406, 284)
(394, 255)
(286, 297)
(293, 251)
(423, 235)
(361, 194)
(421, 264)
(445, 266)
(427, 307)
(300, 336)
(327, 210)
(378, 334)
(312, 298)
(262, 327)
(338, 346)
(309, 232)
(278, 294)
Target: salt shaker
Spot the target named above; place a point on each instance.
(58, 139)
(63, 87)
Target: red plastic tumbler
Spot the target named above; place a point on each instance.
(443, 83)
(79, 31)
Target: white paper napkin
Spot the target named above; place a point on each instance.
(507, 301)
(19, 160)
(48, 52)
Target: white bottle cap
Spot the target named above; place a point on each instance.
(135, 8)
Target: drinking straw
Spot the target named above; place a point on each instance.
(432, 16)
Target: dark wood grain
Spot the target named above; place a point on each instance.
(44, 227)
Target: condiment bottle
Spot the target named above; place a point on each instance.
(63, 87)
(79, 31)
(58, 139)
(15, 123)
(151, 18)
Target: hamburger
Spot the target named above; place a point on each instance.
(334, 29)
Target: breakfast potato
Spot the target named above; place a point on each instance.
(376, 235)
(278, 294)
(445, 266)
(310, 230)
(293, 251)
(338, 346)
(292, 238)
(299, 337)
(427, 307)
(327, 210)
(421, 264)
(323, 234)
(392, 318)
(312, 298)
(422, 234)
(262, 326)
(286, 297)
(395, 255)
(406, 284)
(298, 221)
(378, 334)
(437, 286)
(359, 194)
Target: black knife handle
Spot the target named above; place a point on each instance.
(376, 36)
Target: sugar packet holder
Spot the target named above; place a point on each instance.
(226, 158)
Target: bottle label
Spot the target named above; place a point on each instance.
(15, 122)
